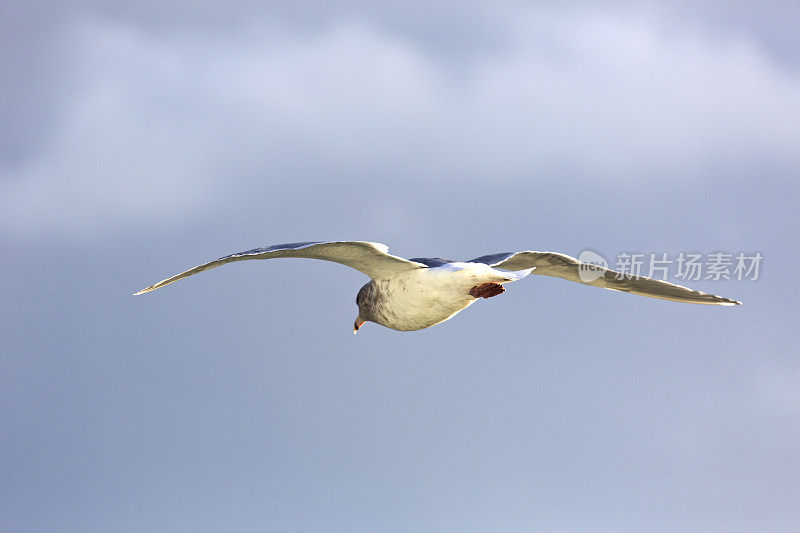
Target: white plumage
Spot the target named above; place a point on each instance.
(412, 294)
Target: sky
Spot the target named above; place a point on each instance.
(141, 139)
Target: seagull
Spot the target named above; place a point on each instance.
(413, 294)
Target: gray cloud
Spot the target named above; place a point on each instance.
(160, 121)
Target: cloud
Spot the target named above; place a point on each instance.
(161, 124)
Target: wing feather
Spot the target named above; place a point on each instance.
(370, 258)
(564, 266)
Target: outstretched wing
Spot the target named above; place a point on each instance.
(564, 266)
(371, 258)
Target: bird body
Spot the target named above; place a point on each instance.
(412, 294)
(422, 298)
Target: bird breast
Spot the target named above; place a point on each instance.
(424, 297)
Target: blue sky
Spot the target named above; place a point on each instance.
(143, 139)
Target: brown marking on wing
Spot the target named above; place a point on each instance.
(486, 290)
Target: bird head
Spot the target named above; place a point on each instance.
(363, 302)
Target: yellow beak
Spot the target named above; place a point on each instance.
(359, 322)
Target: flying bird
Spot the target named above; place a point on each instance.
(413, 294)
